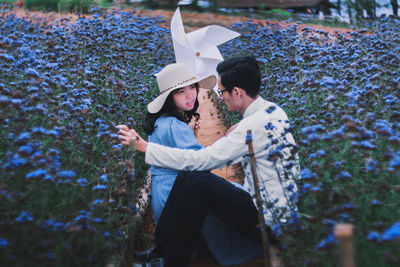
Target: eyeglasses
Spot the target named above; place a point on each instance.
(220, 92)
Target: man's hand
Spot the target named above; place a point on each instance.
(127, 136)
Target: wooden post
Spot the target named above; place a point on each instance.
(266, 245)
(131, 226)
(344, 235)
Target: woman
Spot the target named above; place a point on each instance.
(170, 122)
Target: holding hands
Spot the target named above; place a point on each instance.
(127, 136)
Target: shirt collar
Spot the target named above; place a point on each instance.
(254, 106)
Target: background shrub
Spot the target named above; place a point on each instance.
(45, 5)
(76, 5)
(82, 6)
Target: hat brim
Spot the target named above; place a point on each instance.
(204, 82)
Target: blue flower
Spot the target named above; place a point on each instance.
(375, 202)
(365, 144)
(54, 133)
(383, 128)
(50, 255)
(51, 225)
(3, 243)
(97, 201)
(276, 228)
(24, 216)
(374, 236)
(36, 174)
(16, 161)
(25, 150)
(307, 174)
(313, 137)
(48, 177)
(319, 154)
(82, 182)
(329, 241)
(392, 232)
(99, 187)
(103, 178)
(270, 109)
(32, 72)
(313, 129)
(395, 163)
(344, 175)
(38, 130)
(370, 164)
(117, 147)
(290, 187)
(66, 174)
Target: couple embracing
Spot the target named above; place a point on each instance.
(190, 204)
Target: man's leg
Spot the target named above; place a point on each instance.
(193, 194)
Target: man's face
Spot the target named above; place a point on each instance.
(227, 97)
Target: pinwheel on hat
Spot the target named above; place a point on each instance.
(198, 49)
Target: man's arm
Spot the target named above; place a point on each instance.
(225, 151)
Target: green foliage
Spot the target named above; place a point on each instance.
(8, 1)
(45, 5)
(105, 3)
(367, 5)
(82, 6)
(278, 13)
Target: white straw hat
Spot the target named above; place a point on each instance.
(174, 76)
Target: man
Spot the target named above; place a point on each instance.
(196, 191)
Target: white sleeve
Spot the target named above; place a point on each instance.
(225, 151)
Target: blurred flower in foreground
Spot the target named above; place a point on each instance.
(392, 232)
(329, 241)
(24, 216)
(374, 236)
(3, 243)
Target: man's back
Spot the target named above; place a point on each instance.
(274, 148)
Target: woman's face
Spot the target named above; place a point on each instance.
(184, 98)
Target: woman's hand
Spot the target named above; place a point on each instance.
(127, 136)
(233, 127)
(194, 124)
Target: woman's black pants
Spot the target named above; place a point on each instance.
(193, 195)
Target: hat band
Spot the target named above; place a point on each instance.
(176, 85)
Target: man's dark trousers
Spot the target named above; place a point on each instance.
(192, 197)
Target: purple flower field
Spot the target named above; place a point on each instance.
(67, 187)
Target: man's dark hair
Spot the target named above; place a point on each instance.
(242, 72)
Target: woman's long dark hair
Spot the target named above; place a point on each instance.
(169, 108)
